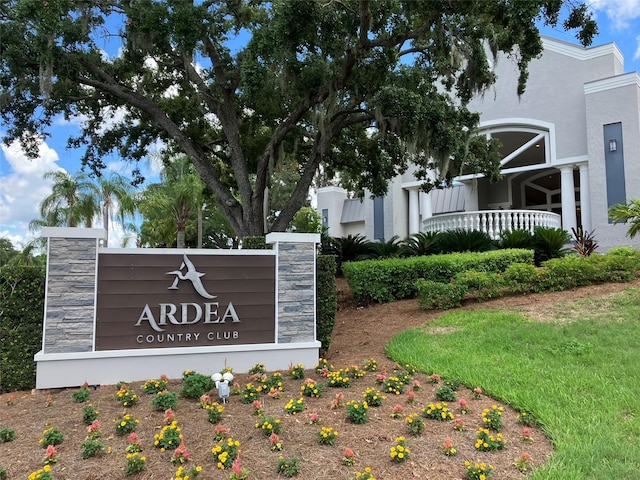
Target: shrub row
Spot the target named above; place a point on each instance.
(326, 298)
(22, 304)
(620, 264)
(394, 279)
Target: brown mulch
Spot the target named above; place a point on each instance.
(360, 333)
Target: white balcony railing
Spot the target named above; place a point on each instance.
(493, 222)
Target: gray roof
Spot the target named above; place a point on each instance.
(352, 211)
(447, 200)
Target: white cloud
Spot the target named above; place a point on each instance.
(22, 188)
(636, 55)
(620, 12)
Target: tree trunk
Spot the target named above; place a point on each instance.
(105, 223)
(200, 226)
(180, 238)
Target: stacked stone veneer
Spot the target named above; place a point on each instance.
(296, 286)
(71, 295)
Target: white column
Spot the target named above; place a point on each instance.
(414, 211)
(427, 206)
(568, 198)
(470, 196)
(585, 202)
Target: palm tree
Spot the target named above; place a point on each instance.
(627, 213)
(72, 200)
(169, 206)
(117, 199)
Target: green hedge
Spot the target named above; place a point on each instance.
(394, 279)
(439, 294)
(326, 298)
(557, 274)
(22, 310)
(255, 243)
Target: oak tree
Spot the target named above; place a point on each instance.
(357, 87)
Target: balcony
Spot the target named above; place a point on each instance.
(492, 222)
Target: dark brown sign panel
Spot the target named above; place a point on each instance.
(184, 300)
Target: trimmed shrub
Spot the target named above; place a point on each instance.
(617, 268)
(326, 298)
(568, 272)
(439, 295)
(630, 256)
(255, 243)
(393, 279)
(482, 285)
(522, 278)
(22, 300)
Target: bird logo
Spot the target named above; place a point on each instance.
(192, 275)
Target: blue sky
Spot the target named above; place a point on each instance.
(22, 187)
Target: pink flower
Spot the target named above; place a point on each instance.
(397, 408)
(49, 401)
(275, 442)
(458, 424)
(314, 417)
(464, 408)
(164, 378)
(50, 452)
(274, 393)
(415, 385)
(169, 416)
(205, 399)
(133, 438)
(477, 392)
(220, 431)
(237, 469)
(257, 404)
(448, 448)
(94, 427)
(526, 433)
(525, 457)
(382, 376)
(180, 454)
(337, 401)
(411, 396)
(434, 378)
(348, 453)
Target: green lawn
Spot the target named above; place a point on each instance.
(578, 373)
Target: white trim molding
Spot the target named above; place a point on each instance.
(581, 53)
(610, 83)
(73, 232)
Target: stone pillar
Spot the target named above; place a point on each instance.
(296, 285)
(585, 197)
(568, 197)
(414, 210)
(72, 262)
